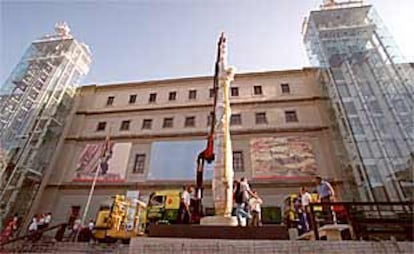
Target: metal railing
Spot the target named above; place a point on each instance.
(367, 220)
(34, 237)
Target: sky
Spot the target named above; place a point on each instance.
(136, 40)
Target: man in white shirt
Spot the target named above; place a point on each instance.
(245, 188)
(306, 198)
(186, 202)
(48, 219)
(255, 205)
(91, 226)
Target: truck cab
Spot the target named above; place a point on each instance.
(163, 207)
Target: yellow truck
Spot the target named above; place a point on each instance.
(163, 207)
(290, 216)
(123, 220)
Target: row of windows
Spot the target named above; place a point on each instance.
(192, 94)
(139, 164)
(190, 121)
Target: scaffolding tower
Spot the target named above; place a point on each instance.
(34, 103)
(372, 91)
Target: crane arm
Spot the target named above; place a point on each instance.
(208, 153)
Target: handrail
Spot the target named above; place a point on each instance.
(33, 234)
(406, 208)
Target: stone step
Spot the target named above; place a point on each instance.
(266, 232)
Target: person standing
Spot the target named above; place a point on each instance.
(41, 221)
(241, 214)
(33, 228)
(75, 228)
(16, 222)
(255, 205)
(48, 219)
(186, 202)
(326, 194)
(181, 209)
(306, 198)
(91, 226)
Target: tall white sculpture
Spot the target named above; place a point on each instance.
(223, 163)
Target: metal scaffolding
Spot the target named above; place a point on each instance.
(372, 90)
(34, 103)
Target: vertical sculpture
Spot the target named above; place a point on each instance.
(223, 167)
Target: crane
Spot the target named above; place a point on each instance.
(207, 155)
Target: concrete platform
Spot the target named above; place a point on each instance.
(266, 232)
(219, 221)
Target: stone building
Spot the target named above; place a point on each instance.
(281, 131)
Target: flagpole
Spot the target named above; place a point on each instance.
(91, 191)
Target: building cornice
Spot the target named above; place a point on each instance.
(151, 107)
(196, 78)
(172, 184)
(201, 134)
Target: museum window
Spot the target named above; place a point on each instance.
(192, 94)
(152, 97)
(235, 119)
(285, 88)
(211, 92)
(147, 124)
(238, 164)
(132, 98)
(257, 90)
(291, 116)
(101, 126)
(210, 118)
(234, 91)
(261, 118)
(125, 125)
(168, 122)
(110, 100)
(189, 121)
(139, 164)
(172, 96)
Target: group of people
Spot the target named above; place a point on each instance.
(11, 228)
(39, 222)
(248, 204)
(326, 194)
(77, 227)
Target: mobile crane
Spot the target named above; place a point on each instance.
(207, 155)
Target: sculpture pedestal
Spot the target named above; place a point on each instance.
(333, 232)
(218, 221)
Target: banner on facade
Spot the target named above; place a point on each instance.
(282, 157)
(112, 165)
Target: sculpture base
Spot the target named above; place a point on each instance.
(218, 221)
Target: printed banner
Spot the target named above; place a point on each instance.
(282, 157)
(110, 158)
